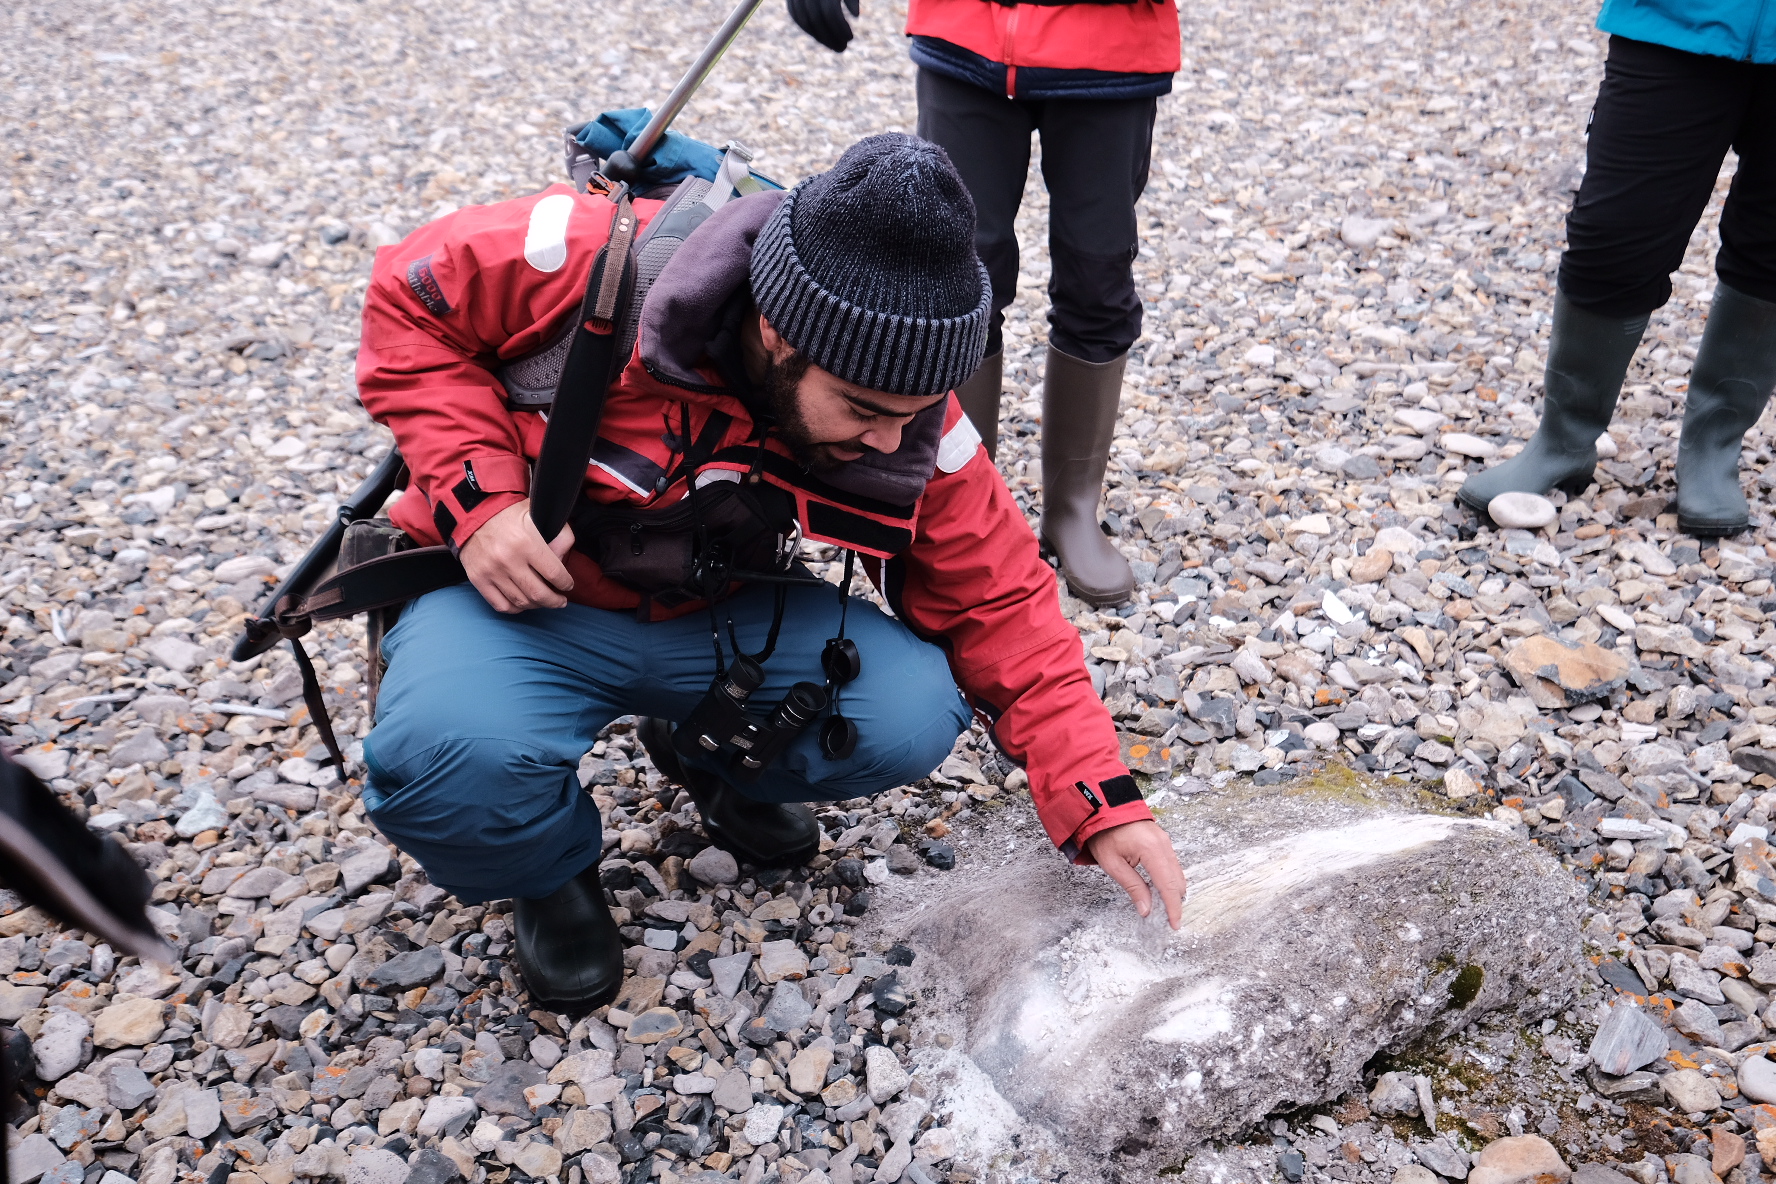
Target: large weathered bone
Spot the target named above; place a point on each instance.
(1323, 926)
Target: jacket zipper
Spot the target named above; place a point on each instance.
(1011, 24)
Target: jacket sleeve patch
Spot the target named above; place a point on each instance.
(545, 241)
(445, 521)
(1120, 791)
(425, 286)
(958, 446)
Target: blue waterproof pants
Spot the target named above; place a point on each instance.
(482, 720)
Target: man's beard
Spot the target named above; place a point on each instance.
(781, 382)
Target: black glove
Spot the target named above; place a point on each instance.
(824, 20)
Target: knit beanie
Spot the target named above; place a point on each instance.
(870, 271)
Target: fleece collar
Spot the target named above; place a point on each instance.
(683, 313)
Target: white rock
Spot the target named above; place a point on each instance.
(1606, 447)
(1361, 233)
(1422, 420)
(60, 1044)
(442, 1112)
(243, 567)
(1522, 511)
(1466, 444)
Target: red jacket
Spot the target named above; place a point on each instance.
(1047, 49)
(488, 284)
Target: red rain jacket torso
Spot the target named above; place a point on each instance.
(488, 284)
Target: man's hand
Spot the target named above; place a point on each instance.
(1122, 849)
(512, 567)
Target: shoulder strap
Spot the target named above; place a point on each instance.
(591, 364)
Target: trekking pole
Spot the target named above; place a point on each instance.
(626, 164)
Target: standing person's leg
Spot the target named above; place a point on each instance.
(1662, 124)
(904, 703)
(1095, 157)
(988, 139)
(481, 723)
(1736, 364)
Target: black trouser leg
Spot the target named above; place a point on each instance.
(1663, 123)
(988, 139)
(1095, 158)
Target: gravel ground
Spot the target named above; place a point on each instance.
(1350, 240)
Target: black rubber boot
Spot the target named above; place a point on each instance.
(1079, 405)
(1729, 385)
(979, 397)
(765, 834)
(1588, 357)
(569, 950)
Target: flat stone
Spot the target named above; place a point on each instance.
(733, 1091)
(1757, 1079)
(884, 1075)
(780, 960)
(428, 1166)
(762, 1122)
(537, 1160)
(1520, 1159)
(1690, 1169)
(130, 1023)
(653, 1025)
(373, 1166)
(412, 969)
(713, 866)
(585, 1129)
(728, 972)
(1466, 444)
(1729, 1151)
(1597, 1173)
(33, 1156)
(244, 1114)
(1690, 1092)
(1520, 511)
(1694, 1020)
(787, 1009)
(16, 1000)
(504, 1091)
(259, 883)
(807, 1069)
(1414, 1173)
(60, 1044)
(1558, 675)
(1628, 1039)
(126, 1086)
(1443, 1157)
(444, 1113)
(1394, 1093)
(1690, 980)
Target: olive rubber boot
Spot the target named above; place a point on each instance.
(979, 397)
(569, 950)
(1588, 357)
(766, 834)
(1079, 405)
(1730, 383)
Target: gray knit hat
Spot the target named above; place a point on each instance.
(869, 270)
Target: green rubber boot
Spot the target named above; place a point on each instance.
(1734, 373)
(1588, 357)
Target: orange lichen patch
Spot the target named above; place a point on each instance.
(1680, 1061)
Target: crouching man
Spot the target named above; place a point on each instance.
(791, 378)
